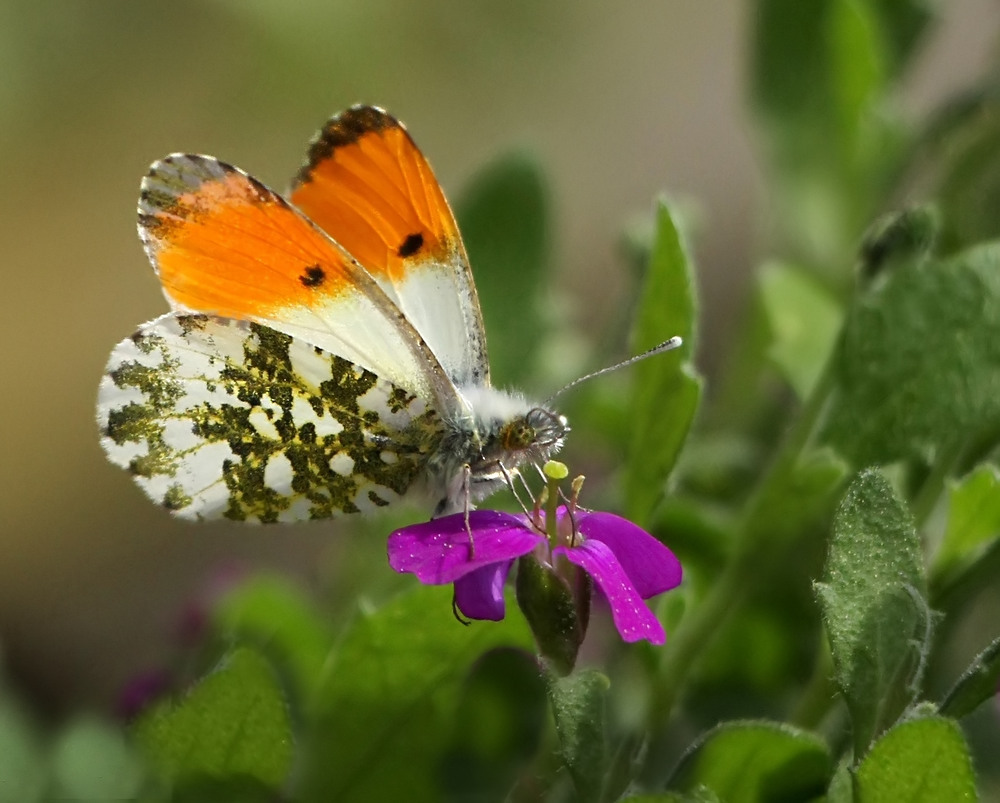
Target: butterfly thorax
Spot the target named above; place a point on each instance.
(493, 436)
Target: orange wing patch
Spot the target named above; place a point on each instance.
(224, 244)
(368, 186)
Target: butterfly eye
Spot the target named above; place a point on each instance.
(548, 428)
(517, 435)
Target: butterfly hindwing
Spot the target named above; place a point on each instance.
(368, 186)
(221, 418)
(224, 244)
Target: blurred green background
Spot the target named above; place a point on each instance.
(618, 101)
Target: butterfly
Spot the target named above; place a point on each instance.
(324, 354)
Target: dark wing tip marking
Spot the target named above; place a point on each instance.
(344, 129)
(313, 276)
(413, 243)
(179, 176)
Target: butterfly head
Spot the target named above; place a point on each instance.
(512, 432)
(536, 434)
(486, 445)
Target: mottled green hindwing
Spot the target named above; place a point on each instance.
(221, 418)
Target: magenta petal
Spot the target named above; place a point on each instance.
(440, 551)
(479, 594)
(141, 691)
(634, 620)
(649, 565)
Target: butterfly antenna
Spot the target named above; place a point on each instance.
(666, 345)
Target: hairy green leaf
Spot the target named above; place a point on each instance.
(275, 614)
(234, 724)
(380, 723)
(873, 598)
(979, 683)
(919, 761)
(919, 367)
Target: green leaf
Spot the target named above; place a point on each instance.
(667, 387)
(505, 219)
(380, 724)
(873, 602)
(857, 69)
(276, 615)
(978, 684)
(91, 761)
(969, 187)
(973, 519)
(578, 705)
(804, 321)
(788, 73)
(756, 761)
(233, 724)
(819, 74)
(919, 366)
(758, 647)
(22, 760)
(903, 24)
(841, 789)
(233, 789)
(500, 717)
(919, 761)
(798, 500)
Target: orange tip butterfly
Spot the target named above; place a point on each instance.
(324, 354)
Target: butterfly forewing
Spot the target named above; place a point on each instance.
(369, 187)
(224, 244)
(219, 418)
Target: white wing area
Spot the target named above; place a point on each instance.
(443, 309)
(217, 418)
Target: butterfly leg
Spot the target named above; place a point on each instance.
(467, 503)
(456, 612)
(509, 479)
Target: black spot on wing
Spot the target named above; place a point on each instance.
(313, 276)
(413, 243)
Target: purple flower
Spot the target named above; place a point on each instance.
(141, 691)
(626, 563)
